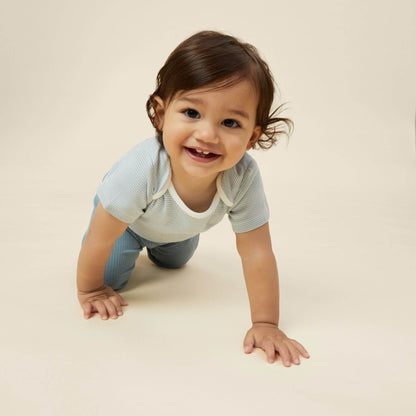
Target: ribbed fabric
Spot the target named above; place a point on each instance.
(138, 190)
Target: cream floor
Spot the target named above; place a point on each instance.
(347, 268)
(343, 218)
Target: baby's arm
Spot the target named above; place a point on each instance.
(262, 282)
(93, 295)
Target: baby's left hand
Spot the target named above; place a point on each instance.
(271, 339)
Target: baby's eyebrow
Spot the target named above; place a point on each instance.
(239, 113)
(192, 100)
(230, 110)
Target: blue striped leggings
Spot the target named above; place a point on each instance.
(127, 248)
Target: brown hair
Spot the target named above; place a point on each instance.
(213, 58)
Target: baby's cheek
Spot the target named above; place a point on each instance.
(238, 148)
(176, 132)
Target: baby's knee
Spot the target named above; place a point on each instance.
(171, 263)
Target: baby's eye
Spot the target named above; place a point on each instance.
(231, 123)
(191, 113)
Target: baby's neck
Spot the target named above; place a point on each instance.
(197, 194)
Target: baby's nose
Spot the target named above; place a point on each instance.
(207, 133)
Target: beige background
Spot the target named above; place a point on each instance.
(74, 79)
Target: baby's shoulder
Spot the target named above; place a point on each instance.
(144, 156)
(146, 151)
(139, 173)
(146, 162)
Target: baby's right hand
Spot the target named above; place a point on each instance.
(104, 301)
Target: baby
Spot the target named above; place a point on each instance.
(212, 104)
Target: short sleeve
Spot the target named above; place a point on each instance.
(126, 189)
(250, 209)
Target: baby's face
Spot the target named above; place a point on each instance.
(207, 131)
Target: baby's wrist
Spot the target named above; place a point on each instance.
(86, 291)
(265, 323)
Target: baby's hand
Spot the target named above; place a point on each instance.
(270, 338)
(104, 300)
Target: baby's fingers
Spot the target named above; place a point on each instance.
(87, 308)
(117, 305)
(111, 307)
(284, 353)
(248, 343)
(294, 353)
(101, 308)
(118, 302)
(270, 351)
(122, 301)
(300, 348)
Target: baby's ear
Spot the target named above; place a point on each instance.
(257, 132)
(159, 108)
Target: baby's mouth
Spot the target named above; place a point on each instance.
(200, 153)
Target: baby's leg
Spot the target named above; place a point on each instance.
(122, 261)
(173, 255)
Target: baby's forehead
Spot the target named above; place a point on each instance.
(219, 90)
